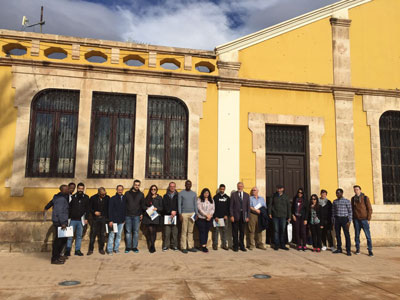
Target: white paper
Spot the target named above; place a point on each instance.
(193, 217)
(220, 223)
(258, 206)
(83, 220)
(169, 220)
(106, 228)
(115, 227)
(289, 232)
(152, 213)
(45, 216)
(68, 232)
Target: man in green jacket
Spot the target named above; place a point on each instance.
(279, 210)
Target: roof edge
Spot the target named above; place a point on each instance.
(63, 39)
(286, 26)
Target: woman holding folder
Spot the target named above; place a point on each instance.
(152, 206)
(206, 208)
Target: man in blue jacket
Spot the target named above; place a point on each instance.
(116, 214)
(60, 219)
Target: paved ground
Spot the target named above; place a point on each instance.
(216, 275)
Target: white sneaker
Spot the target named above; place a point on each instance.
(333, 249)
(323, 248)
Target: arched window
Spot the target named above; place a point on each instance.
(167, 132)
(389, 127)
(112, 135)
(53, 131)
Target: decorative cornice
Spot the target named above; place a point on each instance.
(266, 84)
(228, 65)
(343, 96)
(289, 25)
(340, 22)
(225, 85)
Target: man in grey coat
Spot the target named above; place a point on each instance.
(60, 219)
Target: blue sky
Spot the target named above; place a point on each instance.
(201, 24)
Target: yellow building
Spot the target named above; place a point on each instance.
(311, 102)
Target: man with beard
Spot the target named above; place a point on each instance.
(78, 213)
(99, 210)
(134, 200)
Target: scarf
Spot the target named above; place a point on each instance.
(323, 202)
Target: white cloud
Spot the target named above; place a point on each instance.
(181, 23)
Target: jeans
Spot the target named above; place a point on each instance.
(132, 224)
(341, 222)
(78, 229)
(58, 244)
(358, 224)
(111, 236)
(279, 232)
(204, 227)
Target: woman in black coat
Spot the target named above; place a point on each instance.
(314, 221)
(300, 219)
(152, 200)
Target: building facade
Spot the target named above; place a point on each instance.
(312, 102)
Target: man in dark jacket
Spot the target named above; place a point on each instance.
(170, 208)
(239, 210)
(78, 213)
(99, 212)
(116, 215)
(60, 219)
(279, 210)
(134, 214)
(222, 205)
(362, 212)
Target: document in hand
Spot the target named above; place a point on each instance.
(193, 217)
(169, 220)
(220, 223)
(152, 213)
(258, 206)
(289, 232)
(68, 232)
(83, 220)
(115, 227)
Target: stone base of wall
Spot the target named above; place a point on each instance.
(29, 232)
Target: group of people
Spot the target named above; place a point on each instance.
(229, 217)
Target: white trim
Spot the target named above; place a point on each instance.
(289, 25)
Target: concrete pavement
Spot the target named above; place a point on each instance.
(216, 275)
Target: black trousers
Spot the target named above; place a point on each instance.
(326, 235)
(58, 245)
(238, 233)
(98, 230)
(341, 222)
(151, 235)
(204, 227)
(316, 235)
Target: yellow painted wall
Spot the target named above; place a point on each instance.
(208, 151)
(301, 55)
(362, 148)
(289, 103)
(375, 44)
